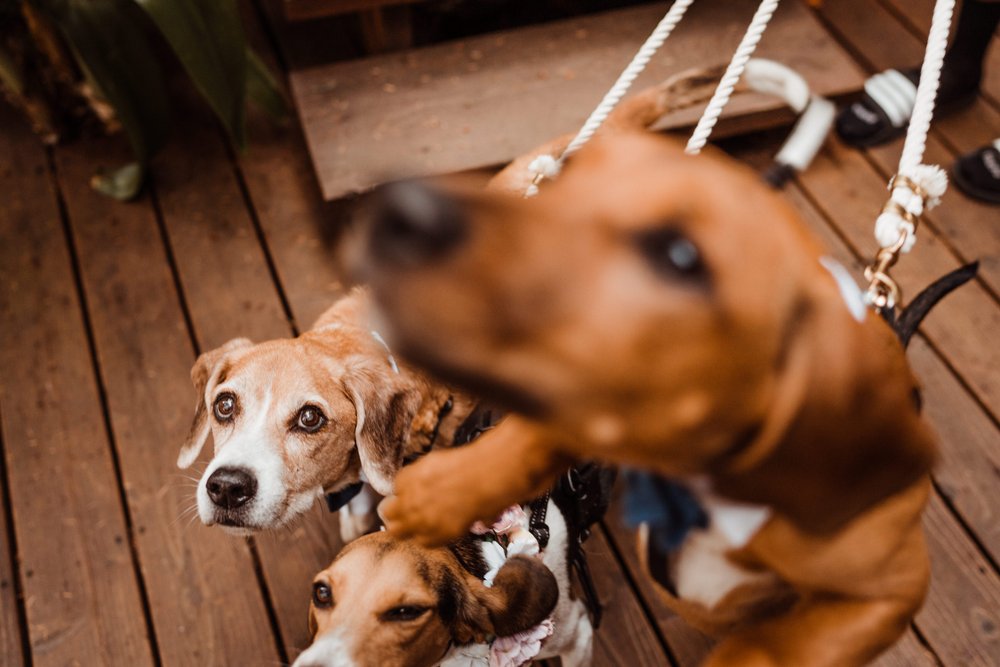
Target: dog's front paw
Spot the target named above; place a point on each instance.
(437, 499)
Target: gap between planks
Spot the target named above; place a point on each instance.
(13, 653)
(81, 292)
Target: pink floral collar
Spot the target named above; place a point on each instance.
(512, 538)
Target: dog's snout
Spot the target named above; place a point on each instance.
(230, 488)
(413, 224)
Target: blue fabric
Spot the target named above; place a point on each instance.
(668, 508)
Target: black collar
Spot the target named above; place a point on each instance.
(337, 499)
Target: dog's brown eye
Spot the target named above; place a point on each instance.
(310, 419)
(671, 253)
(225, 407)
(403, 614)
(322, 595)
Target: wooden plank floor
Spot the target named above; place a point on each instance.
(448, 107)
(103, 307)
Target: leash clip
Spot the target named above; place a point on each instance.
(883, 291)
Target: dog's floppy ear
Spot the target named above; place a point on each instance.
(203, 373)
(385, 410)
(524, 593)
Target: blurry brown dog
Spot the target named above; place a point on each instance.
(671, 313)
(295, 418)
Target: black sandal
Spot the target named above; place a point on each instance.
(883, 112)
(977, 174)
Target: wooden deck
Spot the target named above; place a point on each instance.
(104, 306)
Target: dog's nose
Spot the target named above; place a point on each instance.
(413, 224)
(230, 488)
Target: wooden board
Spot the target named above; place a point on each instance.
(484, 100)
(11, 607)
(687, 646)
(297, 226)
(206, 605)
(625, 638)
(79, 579)
(961, 617)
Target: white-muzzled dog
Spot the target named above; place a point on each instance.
(489, 599)
(296, 419)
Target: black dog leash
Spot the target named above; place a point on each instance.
(583, 495)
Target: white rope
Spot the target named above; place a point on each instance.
(732, 76)
(931, 179)
(624, 82)
(547, 166)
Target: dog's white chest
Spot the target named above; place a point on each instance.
(701, 571)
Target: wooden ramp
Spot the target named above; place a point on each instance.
(482, 101)
(103, 307)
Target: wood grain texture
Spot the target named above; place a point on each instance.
(11, 649)
(205, 602)
(688, 646)
(961, 618)
(625, 637)
(485, 100)
(298, 226)
(81, 594)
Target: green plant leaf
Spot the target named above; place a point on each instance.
(111, 44)
(123, 183)
(263, 90)
(207, 36)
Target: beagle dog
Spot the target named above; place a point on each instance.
(294, 419)
(389, 602)
(670, 313)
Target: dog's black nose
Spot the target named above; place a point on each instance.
(413, 224)
(230, 488)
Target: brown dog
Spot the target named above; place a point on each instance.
(388, 602)
(295, 418)
(671, 313)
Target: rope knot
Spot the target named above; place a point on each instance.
(543, 166)
(913, 192)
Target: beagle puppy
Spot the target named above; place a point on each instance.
(670, 313)
(294, 419)
(389, 602)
